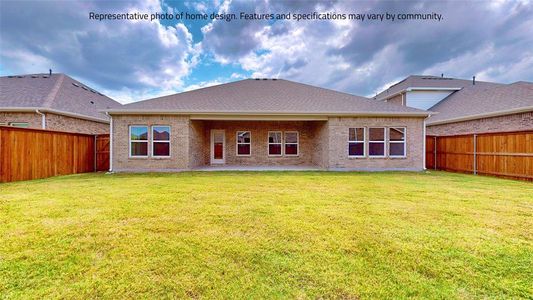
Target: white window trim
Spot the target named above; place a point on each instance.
(357, 142)
(297, 143)
(398, 142)
(139, 141)
(384, 143)
(237, 143)
(280, 143)
(161, 141)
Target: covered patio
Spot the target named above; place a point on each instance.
(258, 144)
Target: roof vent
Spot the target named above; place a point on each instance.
(20, 76)
(265, 78)
(10, 76)
(34, 76)
(257, 79)
(274, 79)
(93, 91)
(46, 76)
(99, 93)
(84, 88)
(75, 84)
(92, 102)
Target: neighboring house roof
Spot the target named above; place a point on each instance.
(266, 96)
(56, 93)
(428, 82)
(474, 101)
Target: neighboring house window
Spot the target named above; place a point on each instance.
(19, 124)
(376, 142)
(396, 142)
(138, 141)
(244, 143)
(161, 141)
(274, 143)
(356, 142)
(291, 143)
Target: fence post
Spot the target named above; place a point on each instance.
(435, 152)
(95, 149)
(475, 155)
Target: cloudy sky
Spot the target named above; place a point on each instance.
(134, 60)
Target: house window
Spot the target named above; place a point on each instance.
(244, 143)
(274, 143)
(376, 142)
(291, 143)
(356, 142)
(396, 142)
(138, 141)
(161, 141)
(19, 124)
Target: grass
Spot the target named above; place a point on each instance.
(267, 235)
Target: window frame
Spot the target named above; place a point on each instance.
(152, 141)
(280, 143)
(237, 143)
(297, 143)
(147, 141)
(357, 142)
(374, 141)
(397, 142)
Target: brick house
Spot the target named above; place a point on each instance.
(53, 101)
(465, 106)
(266, 123)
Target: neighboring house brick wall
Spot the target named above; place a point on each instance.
(514, 122)
(64, 123)
(396, 99)
(179, 143)
(56, 122)
(33, 119)
(338, 144)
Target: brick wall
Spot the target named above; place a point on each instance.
(338, 144)
(179, 144)
(321, 144)
(56, 122)
(33, 119)
(64, 123)
(514, 122)
(396, 99)
(199, 144)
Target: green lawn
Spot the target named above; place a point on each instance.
(267, 235)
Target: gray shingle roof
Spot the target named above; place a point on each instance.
(264, 96)
(474, 100)
(57, 92)
(428, 81)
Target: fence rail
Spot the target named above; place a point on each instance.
(35, 153)
(505, 154)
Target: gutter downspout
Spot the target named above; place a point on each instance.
(110, 142)
(43, 119)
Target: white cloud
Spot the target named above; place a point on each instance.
(115, 55)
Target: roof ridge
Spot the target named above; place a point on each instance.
(53, 93)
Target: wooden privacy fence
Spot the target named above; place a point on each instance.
(505, 154)
(34, 153)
